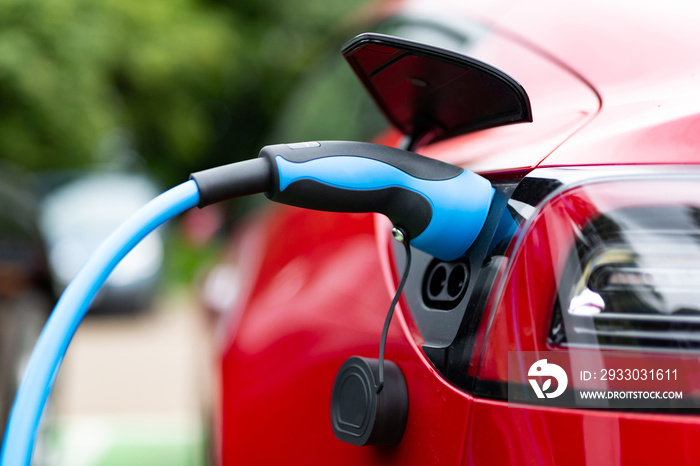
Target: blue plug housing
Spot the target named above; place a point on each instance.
(441, 207)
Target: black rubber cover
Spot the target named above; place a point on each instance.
(233, 180)
(361, 416)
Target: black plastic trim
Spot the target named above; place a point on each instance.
(445, 326)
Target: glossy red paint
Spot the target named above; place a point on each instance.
(627, 49)
(303, 319)
(562, 103)
(321, 297)
(607, 87)
(507, 435)
(638, 55)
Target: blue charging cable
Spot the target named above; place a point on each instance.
(46, 358)
(440, 207)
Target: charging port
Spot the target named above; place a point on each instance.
(444, 284)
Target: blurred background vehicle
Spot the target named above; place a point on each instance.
(78, 215)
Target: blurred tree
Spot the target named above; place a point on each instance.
(191, 83)
(281, 39)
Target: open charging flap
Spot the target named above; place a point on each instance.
(430, 93)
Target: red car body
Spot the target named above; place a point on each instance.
(615, 95)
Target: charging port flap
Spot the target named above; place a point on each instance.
(430, 93)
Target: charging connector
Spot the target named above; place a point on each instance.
(43, 365)
(441, 207)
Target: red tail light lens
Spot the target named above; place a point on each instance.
(632, 279)
(607, 271)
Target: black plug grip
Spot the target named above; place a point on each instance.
(233, 180)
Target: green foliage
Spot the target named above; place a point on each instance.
(282, 39)
(194, 83)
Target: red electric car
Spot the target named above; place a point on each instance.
(569, 332)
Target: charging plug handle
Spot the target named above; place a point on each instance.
(441, 207)
(341, 176)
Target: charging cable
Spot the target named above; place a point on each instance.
(43, 365)
(400, 236)
(439, 207)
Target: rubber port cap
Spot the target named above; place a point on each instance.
(360, 415)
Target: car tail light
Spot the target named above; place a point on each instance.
(609, 271)
(632, 276)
